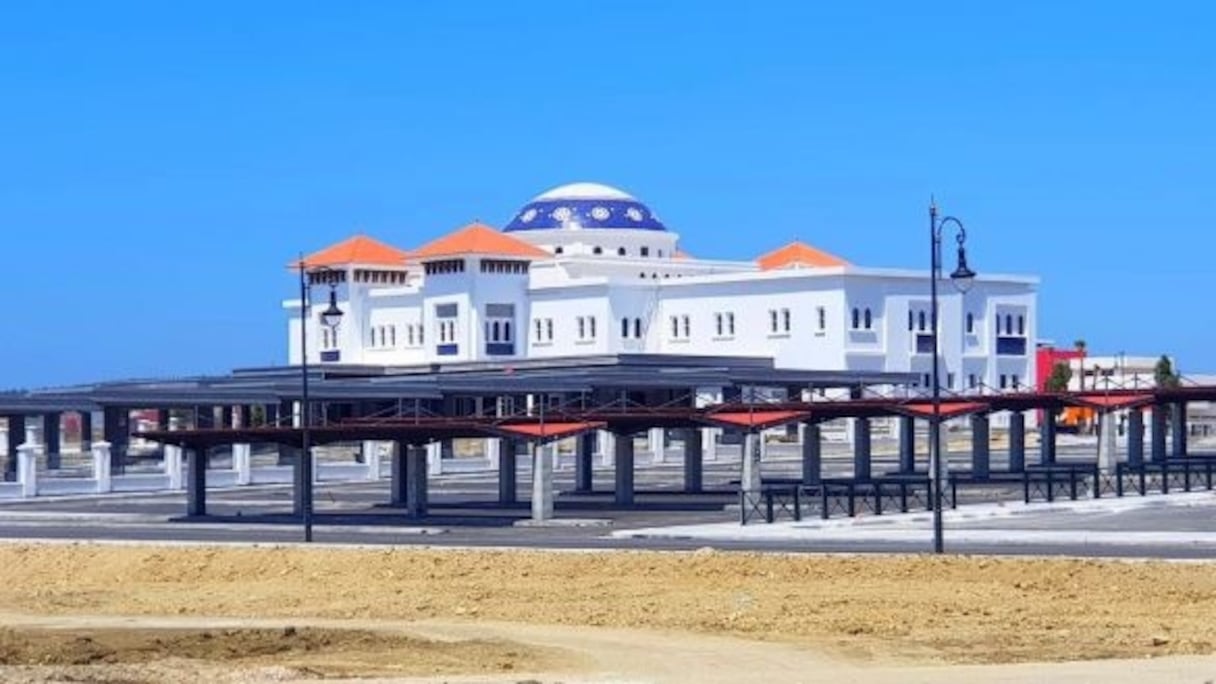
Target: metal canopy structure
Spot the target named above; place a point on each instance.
(437, 382)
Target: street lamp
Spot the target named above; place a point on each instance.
(330, 318)
(962, 278)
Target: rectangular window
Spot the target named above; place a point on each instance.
(549, 328)
(687, 327)
(540, 328)
(719, 324)
(785, 319)
(645, 251)
(949, 380)
(591, 326)
(675, 326)
(772, 320)
(928, 380)
(1004, 381)
(822, 314)
(971, 381)
(730, 324)
(1017, 381)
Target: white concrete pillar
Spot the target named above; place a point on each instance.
(1107, 455)
(242, 463)
(709, 442)
(372, 454)
(607, 442)
(763, 445)
(750, 481)
(33, 433)
(493, 451)
(173, 467)
(542, 481)
(101, 467)
(434, 458)
(658, 452)
(27, 469)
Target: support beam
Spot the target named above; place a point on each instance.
(1178, 429)
(1159, 430)
(196, 483)
(907, 444)
(117, 430)
(302, 482)
(52, 436)
(1047, 438)
(750, 479)
(542, 480)
(16, 437)
(694, 455)
(1108, 458)
(981, 456)
(862, 470)
(584, 453)
(623, 469)
(1135, 436)
(86, 431)
(416, 477)
(1017, 442)
(399, 477)
(812, 454)
(508, 471)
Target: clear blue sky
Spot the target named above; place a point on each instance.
(160, 162)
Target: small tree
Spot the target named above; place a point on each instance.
(1164, 373)
(1061, 375)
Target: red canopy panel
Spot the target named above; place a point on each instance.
(1111, 402)
(548, 430)
(756, 420)
(949, 409)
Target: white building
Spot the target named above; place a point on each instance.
(586, 269)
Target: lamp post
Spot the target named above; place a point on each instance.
(330, 318)
(963, 278)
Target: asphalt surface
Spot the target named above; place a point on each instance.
(464, 512)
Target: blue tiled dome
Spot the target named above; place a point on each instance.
(580, 206)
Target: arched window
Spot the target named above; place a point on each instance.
(497, 335)
(869, 319)
(920, 321)
(506, 331)
(624, 327)
(597, 250)
(559, 250)
(911, 324)
(620, 251)
(1021, 325)
(856, 318)
(1008, 324)
(970, 323)
(637, 328)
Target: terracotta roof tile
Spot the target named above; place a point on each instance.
(478, 238)
(798, 255)
(357, 249)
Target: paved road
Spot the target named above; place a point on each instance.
(464, 512)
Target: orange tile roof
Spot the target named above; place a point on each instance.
(357, 249)
(478, 238)
(798, 255)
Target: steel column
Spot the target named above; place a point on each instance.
(812, 454)
(907, 444)
(1017, 442)
(1159, 430)
(1135, 437)
(585, 450)
(693, 461)
(861, 449)
(981, 458)
(508, 455)
(623, 466)
(196, 484)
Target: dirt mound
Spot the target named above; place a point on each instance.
(953, 609)
(305, 651)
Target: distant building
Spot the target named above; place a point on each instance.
(587, 269)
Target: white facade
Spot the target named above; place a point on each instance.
(598, 286)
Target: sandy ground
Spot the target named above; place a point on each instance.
(140, 613)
